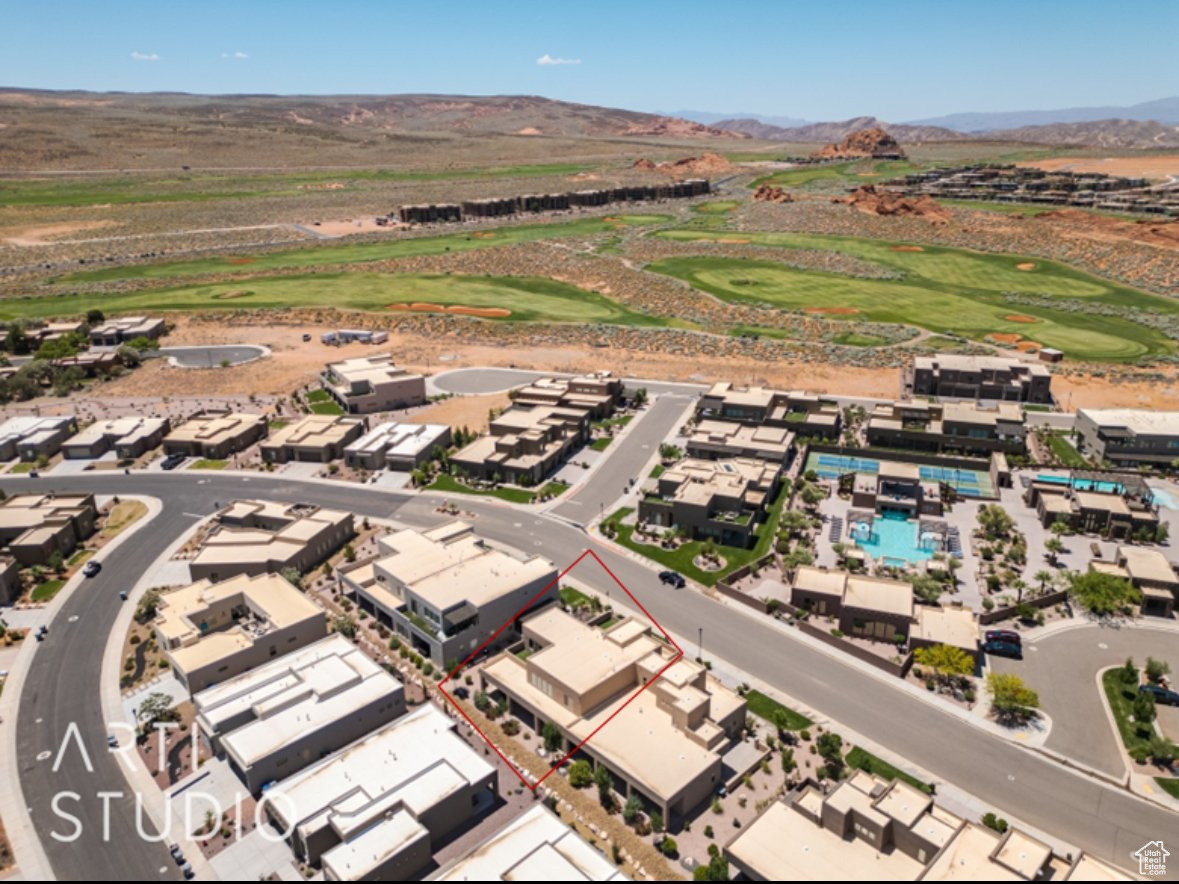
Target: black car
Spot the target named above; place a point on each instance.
(172, 461)
(91, 568)
(1004, 649)
(1161, 695)
(1004, 635)
(461, 692)
(177, 854)
(673, 578)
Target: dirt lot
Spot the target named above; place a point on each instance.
(1154, 167)
(48, 233)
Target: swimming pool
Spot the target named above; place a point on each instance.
(893, 539)
(968, 483)
(1084, 484)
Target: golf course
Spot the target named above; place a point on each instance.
(942, 290)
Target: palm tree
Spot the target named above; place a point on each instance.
(1043, 576)
(1055, 547)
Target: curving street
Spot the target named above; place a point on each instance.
(1098, 818)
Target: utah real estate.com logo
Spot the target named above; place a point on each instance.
(1152, 858)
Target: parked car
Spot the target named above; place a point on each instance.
(1161, 695)
(1003, 635)
(33, 474)
(461, 692)
(41, 633)
(91, 568)
(177, 853)
(112, 741)
(187, 872)
(1004, 649)
(172, 461)
(673, 578)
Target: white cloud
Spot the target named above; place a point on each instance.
(547, 59)
(145, 56)
(238, 56)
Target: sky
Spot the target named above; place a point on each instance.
(903, 60)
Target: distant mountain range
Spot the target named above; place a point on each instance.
(1110, 133)
(1163, 110)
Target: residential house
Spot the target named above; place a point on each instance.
(966, 427)
(401, 447)
(960, 376)
(130, 437)
(35, 526)
(215, 434)
(316, 438)
(524, 444)
(1129, 437)
(368, 384)
(30, 437)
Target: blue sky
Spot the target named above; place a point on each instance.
(901, 60)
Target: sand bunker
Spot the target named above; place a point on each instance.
(1004, 337)
(1026, 265)
(1027, 346)
(734, 241)
(907, 249)
(831, 311)
(237, 262)
(459, 309)
(1020, 317)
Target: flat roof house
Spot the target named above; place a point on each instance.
(372, 383)
(215, 434)
(967, 427)
(597, 393)
(210, 632)
(9, 580)
(35, 526)
(803, 413)
(1111, 513)
(535, 846)
(259, 537)
(713, 439)
(1150, 572)
(1129, 436)
(375, 810)
(276, 719)
(398, 446)
(30, 437)
(446, 590)
(719, 499)
(525, 444)
(960, 376)
(867, 828)
(665, 745)
(317, 438)
(118, 330)
(130, 437)
(867, 607)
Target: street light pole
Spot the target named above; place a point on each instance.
(700, 643)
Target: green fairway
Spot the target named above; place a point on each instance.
(849, 173)
(86, 191)
(717, 207)
(949, 290)
(530, 299)
(356, 253)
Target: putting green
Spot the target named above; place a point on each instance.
(942, 289)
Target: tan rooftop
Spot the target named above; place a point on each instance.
(820, 580)
(956, 627)
(968, 858)
(1144, 563)
(879, 594)
(214, 429)
(1140, 421)
(315, 431)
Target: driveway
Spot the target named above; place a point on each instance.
(1063, 668)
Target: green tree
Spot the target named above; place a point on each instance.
(632, 808)
(605, 784)
(995, 521)
(157, 706)
(1054, 547)
(345, 625)
(148, 605)
(1059, 528)
(946, 661)
(349, 553)
(552, 736)
(95, 317)
(1144, 711)
(57, 561)
(16, 341)
(656, 821)
(580, 774)
(639, 398)
(1101, 593)
(1044, 576)
(716, 869)
(1012, 700)
(1156, 669)
(668, 847)
(927, 588)
(830, 746)
(482, 701)
(1129, 672)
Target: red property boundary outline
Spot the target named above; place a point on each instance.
(554, 766)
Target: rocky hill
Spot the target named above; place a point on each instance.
(871, 143)
(836, 131)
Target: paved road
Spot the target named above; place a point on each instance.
(212, 356)
(627, 457)
(1106, 821)
(479, 381)
(1063, 669)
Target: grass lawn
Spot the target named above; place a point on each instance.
(1032, 406)
(44, 592)
(448, 483)
(944, 290)
(850, 173)
(330, 407)
(601, 443)
(1170, 785)
(554, 488)
(209, 463)
(529, 299)
(657, 471)
(620, 421)
(122, 515)
(681, 558)
(573, 597)
(22, 467)
(338, 254)
(80, 557)
(865, 760)
(277, 425)
(856, 339)
(765, 707)
(1065, 451)
(1121, 699)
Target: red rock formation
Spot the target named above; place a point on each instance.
(864, 143)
